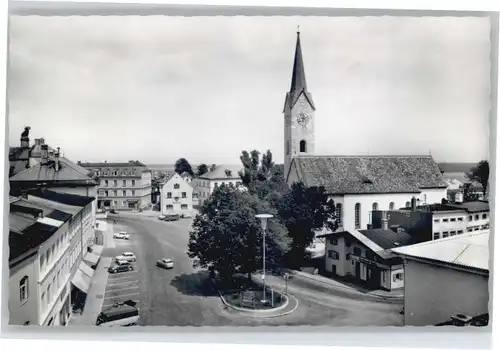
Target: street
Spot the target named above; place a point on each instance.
(184, 296)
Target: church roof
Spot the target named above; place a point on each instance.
(369, 174)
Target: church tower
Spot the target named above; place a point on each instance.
(299, 113)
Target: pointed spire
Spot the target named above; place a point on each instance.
(298, 75)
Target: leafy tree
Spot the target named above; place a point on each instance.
(182, 165)
(469, 194)
(212, 167)
(481, 174)
(227, 238)
(202, 169)
(304, 210)
(261, 176)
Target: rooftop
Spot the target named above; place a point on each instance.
(68, 172)
(370, 174)
(468, 250)
(131, 163)
(472, 207)
(220, 172)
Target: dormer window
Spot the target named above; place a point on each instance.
(367, 181)
(176, 186)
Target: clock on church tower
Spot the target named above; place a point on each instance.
(303, 119)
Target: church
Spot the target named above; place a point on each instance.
(357, 184)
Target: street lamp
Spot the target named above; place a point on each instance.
(263, 223)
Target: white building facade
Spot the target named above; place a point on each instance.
(205, 184)
(176, 196)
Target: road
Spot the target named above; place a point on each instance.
(184, 296)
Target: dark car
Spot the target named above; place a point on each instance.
(120, 268)
(112, 211)
(171, 217)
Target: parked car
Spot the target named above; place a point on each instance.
(121, 235)
(165, 263)
(112, 211)
(161, 217)
(127, 256)
(186, 216)
(171, 217)
(120, 268)
(122, 262)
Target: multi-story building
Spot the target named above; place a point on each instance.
(122, 186)
(205, 184)
(365, 257)
(177, 196)
(436, 221)
(49, 234)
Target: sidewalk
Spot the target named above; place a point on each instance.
(95, 295)
(397, 294)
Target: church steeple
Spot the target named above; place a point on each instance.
(298, 85)
(298, 74)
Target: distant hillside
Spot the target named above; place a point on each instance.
(456, 167)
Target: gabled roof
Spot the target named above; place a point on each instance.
(467, 250)
(68, 172)
(220, 173)
(369, 174)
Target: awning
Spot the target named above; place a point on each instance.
(97, 249)
(91, 258)
(86, 270)
(81, 280)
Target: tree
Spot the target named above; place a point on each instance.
(481, 174)
(261, 176)
(227, 238)
(202, 169)
(182, 165)
(469, 194)
(212, 167)
(304, 210)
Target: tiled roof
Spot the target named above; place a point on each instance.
(220, 173)
(63, 198)
(111, 165)
(370, 174)
(29, 238)
(467, 250)
(387, 239)
(68, 172)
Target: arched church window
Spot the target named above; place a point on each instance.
(338, 213)
(357, 215)
(391, 206)
(303, 147)
(287, 147)
(407, 205)
(375, 206)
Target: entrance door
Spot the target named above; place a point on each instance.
(357, 270)
(334, 269)
(374, 277)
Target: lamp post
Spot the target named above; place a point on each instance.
(263, 223)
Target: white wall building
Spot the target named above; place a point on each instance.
(176, 196)
(205, 184)
(47, 239)
(446, 277)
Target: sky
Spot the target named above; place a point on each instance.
(157, 88)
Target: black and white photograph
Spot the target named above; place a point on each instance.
(249, 170)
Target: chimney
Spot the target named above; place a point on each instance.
(44, 154)
(56, 160)
(384, 221)
(413, 204)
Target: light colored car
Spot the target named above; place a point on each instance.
(127, 256)
(161, 217)
(121, 235)
(165, 263)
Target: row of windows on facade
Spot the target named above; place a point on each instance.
(171, 207)
(54, 252)
(334, 255)
(115, 183)
(54, 288)
(183, 195)
(444, 234)
(475, 217)
(116, 172)
(356, 250)
(115, 193)
(302, 147)
(357, 211)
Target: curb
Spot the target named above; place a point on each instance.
(395, 297)
(262, 312)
